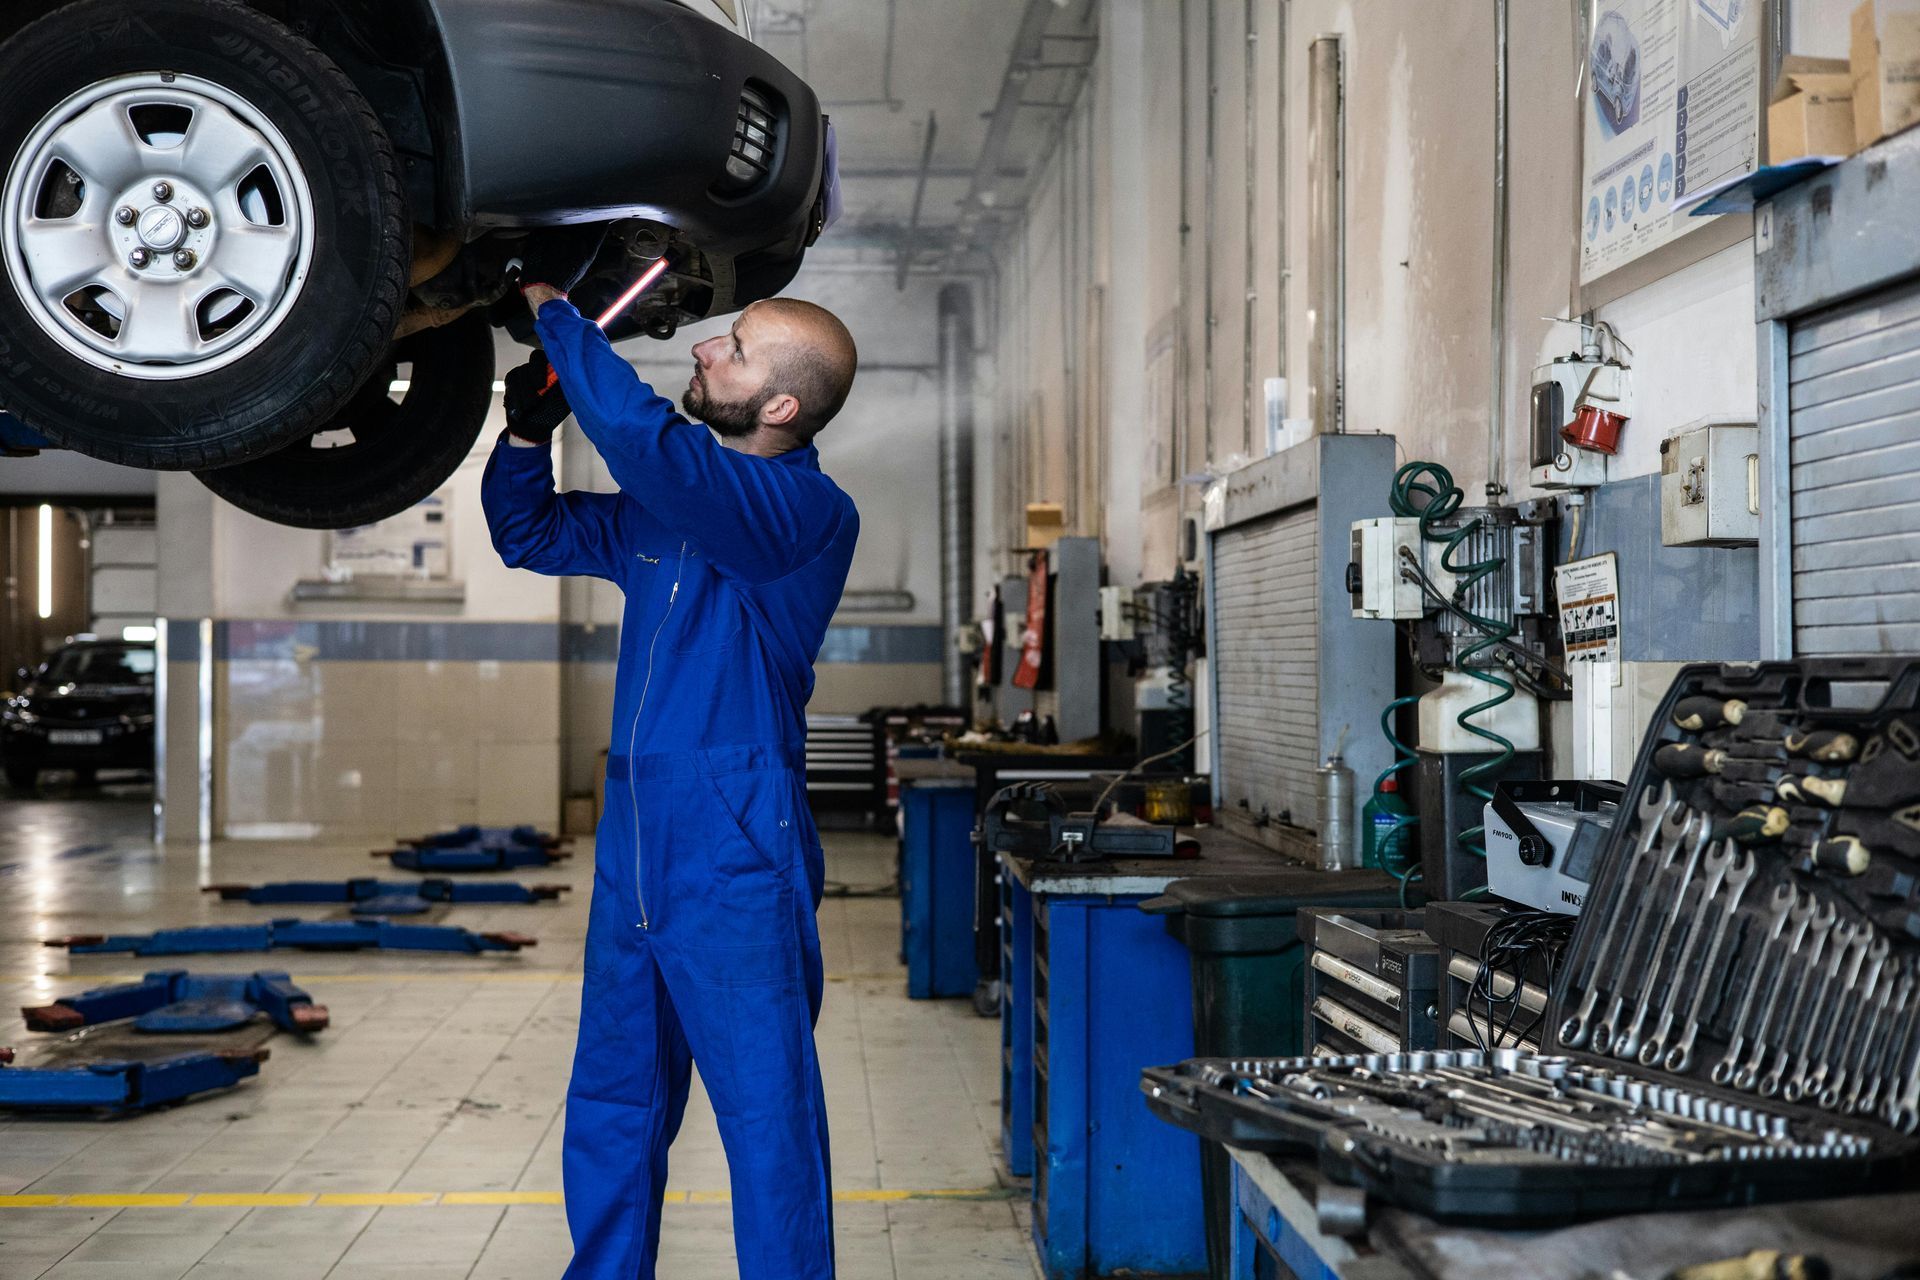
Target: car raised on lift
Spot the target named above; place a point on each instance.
(270, 242)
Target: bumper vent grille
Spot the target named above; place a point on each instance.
(756, 142)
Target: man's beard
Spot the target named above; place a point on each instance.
(730, 421)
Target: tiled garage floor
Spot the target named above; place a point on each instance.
(419, 1136)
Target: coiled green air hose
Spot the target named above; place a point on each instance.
(1426, 490)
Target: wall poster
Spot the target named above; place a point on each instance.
(1670, 104)
(416, 543)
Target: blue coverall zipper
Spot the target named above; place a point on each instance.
(633, 738)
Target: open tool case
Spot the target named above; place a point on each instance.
(1738, 1016)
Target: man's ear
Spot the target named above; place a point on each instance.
(779, 411)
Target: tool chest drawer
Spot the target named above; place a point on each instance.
(1371, 981)
(1737, 1017)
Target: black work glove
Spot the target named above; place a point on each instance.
(560, 257)
(536, 406)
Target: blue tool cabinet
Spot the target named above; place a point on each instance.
(1102, 991)
(1016, 1025)
(936, 889)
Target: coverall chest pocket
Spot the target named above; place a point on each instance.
(707, 614)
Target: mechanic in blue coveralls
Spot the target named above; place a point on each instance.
(702, 944)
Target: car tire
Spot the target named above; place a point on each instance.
(378, 457)
(301, 270)
(23, 777)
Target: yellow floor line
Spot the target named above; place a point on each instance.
(424, 1199)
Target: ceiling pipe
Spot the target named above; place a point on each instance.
(1497, 397)
(909, 241)
(956, 484)
(1326, 236)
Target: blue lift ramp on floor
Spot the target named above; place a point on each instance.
(477, 849)
(371, 897)
(175, 1002)
(298, 935)
(116, 1087)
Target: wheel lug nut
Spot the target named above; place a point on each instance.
(184, 259)
(197, 218)
(163, 191)
(139, 258)
(125, 215)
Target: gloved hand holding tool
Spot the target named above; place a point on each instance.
(536, 404)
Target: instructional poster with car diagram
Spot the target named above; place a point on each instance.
(1589, 593)
(1671, 104)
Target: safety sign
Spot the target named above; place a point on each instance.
(1589, 592)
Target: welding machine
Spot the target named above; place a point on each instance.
(1543, 839)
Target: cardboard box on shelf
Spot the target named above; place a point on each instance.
(1812, 110)
(1886, 68)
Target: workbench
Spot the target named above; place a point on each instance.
(1277, 1233)
(1095, 990)
(992, 770)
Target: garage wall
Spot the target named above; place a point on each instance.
(1182, 363)
(363, 719)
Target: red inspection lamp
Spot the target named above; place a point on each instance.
(646, 281)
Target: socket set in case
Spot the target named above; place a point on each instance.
(1737, 1019)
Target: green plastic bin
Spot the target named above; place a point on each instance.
(1248, 984)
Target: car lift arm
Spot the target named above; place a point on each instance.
(302, 935)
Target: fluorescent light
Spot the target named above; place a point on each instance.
(140, 633)
(498, 387)
(399, 387)
(46, 561)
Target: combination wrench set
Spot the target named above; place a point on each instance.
(1737, 1018)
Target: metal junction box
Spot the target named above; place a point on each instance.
(1710, 486)
(1374, 577)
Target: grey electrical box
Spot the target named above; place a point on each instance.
(1710, 486)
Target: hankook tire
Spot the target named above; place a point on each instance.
(378, 456)
(204, 241)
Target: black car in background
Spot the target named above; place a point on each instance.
(89, 707)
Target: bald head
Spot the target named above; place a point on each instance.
(812, 358)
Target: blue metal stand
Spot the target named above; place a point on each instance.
(936, 889)
(371, 897)
(301, 935)
(19, 439)
(120, 1087)
(1265, 1243)
(174, 1002)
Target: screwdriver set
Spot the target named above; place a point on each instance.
(1737, 1015)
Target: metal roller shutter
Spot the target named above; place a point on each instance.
(1267, 662)
(1854, 425)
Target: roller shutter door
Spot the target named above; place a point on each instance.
(125, 582)
(1854, 374)
(1266, 662)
